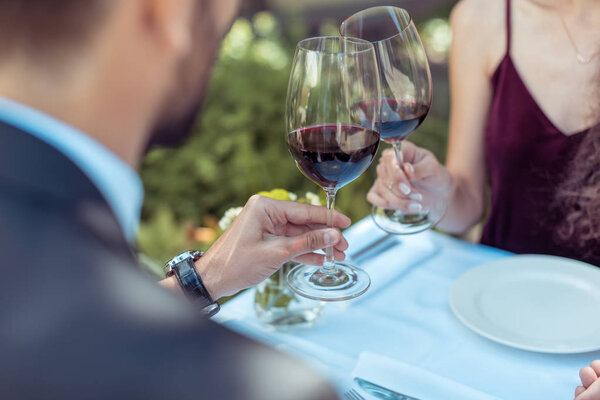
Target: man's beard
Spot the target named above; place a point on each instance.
(173, 131)
(177, 117)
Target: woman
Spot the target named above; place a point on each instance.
(521, 76)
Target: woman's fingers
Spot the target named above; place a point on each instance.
(590, 384)
(387, 192)
(591, 393)
(384, 196)
(425, 168)
(410, 152)
(596, 367)
(588, 376)
(397, 180)
(409, 170)
(391, 173)
(374, 198)
(419, 168)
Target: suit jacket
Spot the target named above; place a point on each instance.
(80, 320)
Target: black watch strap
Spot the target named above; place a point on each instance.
(184, 268)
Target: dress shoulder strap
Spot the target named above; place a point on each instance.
(508, 26)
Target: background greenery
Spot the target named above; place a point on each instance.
(238, 147)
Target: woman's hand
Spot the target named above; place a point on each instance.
(590, 384)
(421, 181)
(266, 234)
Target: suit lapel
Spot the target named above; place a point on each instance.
(33, 169)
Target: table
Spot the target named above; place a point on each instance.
(406, 316)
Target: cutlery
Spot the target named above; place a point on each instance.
(353, 395)
(362, 251)
(381, 248)
(381, 392)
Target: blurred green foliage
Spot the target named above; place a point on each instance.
(238, 147)
(162, 237)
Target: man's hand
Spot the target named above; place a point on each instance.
(266, 234)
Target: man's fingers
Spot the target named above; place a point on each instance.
(295, 230)
(302, 214)
(318, 259)
(578, 390)
(588, 376)
(309, 242)
(310, 259)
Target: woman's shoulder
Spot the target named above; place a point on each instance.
(480, 27)
(480, 12)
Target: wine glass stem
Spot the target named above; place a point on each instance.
(329, 264)
(398, 150)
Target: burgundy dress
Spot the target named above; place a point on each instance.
(526, 156)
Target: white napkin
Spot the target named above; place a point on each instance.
(411, 381)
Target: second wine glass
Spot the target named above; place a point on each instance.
(406, 99)
(332, 142)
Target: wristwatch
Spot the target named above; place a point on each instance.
(184, 269)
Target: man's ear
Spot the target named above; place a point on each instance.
(169, 21)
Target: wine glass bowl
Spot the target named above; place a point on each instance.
(332, 142)
(406, 89)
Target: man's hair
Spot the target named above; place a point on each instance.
(42, 28)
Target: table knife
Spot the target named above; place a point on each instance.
(381, 392)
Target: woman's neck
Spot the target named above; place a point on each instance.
(584, 11)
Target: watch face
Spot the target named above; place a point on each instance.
(183, 256)
(179, 258)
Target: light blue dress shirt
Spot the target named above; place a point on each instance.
(116, 180)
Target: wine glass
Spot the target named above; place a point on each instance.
(406, 97)
(332, 142)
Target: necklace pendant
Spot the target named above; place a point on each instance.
(581, 59)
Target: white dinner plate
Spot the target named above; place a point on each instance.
(532, 302)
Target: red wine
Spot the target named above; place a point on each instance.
(333, 155)
(398, 118)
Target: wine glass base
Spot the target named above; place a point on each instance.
(347, 283)
(399, 223)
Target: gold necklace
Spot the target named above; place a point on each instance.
(581, 58)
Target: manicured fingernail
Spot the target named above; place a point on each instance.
(415, 207)
(329, 237)
(409, 167)
(404, 188)
(416, 196)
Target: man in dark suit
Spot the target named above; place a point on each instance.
(85, 88)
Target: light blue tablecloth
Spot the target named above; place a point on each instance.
(407, 318)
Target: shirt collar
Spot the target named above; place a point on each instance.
(116, 180)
